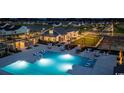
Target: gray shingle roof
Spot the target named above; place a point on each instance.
(8, 27)
(59, 31)
(36, 27)
(47, 33)
(64, 30)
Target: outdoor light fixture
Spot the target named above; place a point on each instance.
(65, 67)
(45, 62)
(66, 56)
(21, 64)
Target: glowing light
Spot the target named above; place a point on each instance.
(65, 67)
(45, 62)
(66, 56)
(121, 56)
(21, 64)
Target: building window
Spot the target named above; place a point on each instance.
(50, 31)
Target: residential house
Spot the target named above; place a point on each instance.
(16, 37)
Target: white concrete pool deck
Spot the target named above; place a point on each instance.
(104, 64)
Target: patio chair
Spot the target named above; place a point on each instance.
(62, 48)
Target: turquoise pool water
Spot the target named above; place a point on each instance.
(51, 63)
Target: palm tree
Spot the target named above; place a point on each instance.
(112, 28)
(121, 57)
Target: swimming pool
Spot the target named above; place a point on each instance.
(51, 63)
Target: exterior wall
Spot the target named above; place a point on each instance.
(61, 38)
(11, 46)
(70, 35)
(22, 36)
(20, 45)
(33, 41)
(2, 49)
(24, 44)
(74, 34)
(58, 38)
(48, 38)
(67, 37)
(2, 52)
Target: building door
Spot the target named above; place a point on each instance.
(60, 39)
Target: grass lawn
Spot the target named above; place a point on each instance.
(88, 40)
(119, 28)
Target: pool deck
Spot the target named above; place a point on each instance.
(104, 64)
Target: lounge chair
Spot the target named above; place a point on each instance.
(62, 48)
(49, 46)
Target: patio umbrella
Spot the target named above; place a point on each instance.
(121, 57)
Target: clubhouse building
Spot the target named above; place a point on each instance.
(59, 34)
